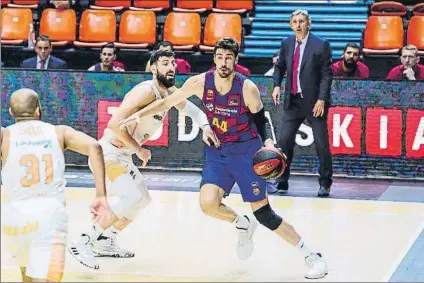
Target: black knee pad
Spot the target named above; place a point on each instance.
(267, 217)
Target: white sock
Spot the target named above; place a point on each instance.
(96, 231)
(112, 231)
(301, 246)
(241, 222)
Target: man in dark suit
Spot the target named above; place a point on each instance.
(307, 60)
(43, 60)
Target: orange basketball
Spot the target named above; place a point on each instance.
(269, 163)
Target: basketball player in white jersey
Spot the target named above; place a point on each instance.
(34, 220)
(124, 182)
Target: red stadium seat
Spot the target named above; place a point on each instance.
(194, 6)
(32, 4)
(221, 25)
(59, 25)
(151, 5)
(239, 6)
(383, 35)
(182, 30)
(115, 5)
(137, 29)
(97, 27)
(388, 8)
(15, 25)
(416, 33)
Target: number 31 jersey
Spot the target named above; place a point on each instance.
(35, 164)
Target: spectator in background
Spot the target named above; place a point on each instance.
(349, 66)
(43, 60)
(183, 67)
(63, 4)
(409, 69)
(270, 72)
(107, 60)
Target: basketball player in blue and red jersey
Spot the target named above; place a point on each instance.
(232, 102)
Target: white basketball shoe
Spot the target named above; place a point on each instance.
(317, 268)
(108, 247)
(82, 252)
(245, 239)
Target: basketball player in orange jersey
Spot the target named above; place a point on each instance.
(231, 101)
(124, 181)
(34, 220)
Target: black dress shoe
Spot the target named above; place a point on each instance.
(323, 191)
(282, 187)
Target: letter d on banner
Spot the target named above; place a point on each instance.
(182, 135)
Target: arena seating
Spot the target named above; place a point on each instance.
(416, 33)
(194, 26)
(15, 25)
(339, 23)
(393, 24)
(137, 29)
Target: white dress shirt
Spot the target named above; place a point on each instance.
(302, 50)
(45, 63)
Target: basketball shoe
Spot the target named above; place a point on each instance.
(108, 247)
(245, 239)
(82, 252)
(317, 268)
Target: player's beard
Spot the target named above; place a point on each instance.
(164, 80)
(349, 64)
(225, 72)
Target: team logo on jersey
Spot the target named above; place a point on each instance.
(233, 101)
(210, 106)
(157, 117)
(209, 95)
(255, 188)
(256, 191)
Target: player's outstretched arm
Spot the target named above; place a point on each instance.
(252, 98)
(82, 143)
(193, 86)
(136, 98)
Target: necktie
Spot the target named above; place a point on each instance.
(295, 65)
(42, 65)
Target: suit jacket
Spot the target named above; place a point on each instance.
(316, 74)
(54, 63)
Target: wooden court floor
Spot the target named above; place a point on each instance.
(173, 241)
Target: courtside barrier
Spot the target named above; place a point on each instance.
(376, 127)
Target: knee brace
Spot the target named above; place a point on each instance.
(267, 217)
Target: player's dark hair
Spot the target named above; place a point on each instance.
(164, 43)
(108, 45)
(160, 53)
(227, 43)
(352, 45)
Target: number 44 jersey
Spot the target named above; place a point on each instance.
(227, 113)
(35, 164)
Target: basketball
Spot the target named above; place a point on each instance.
(269, 163)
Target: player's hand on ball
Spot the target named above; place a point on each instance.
(144, 154)
(269, 143)
(100, 209)
(209, 135)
